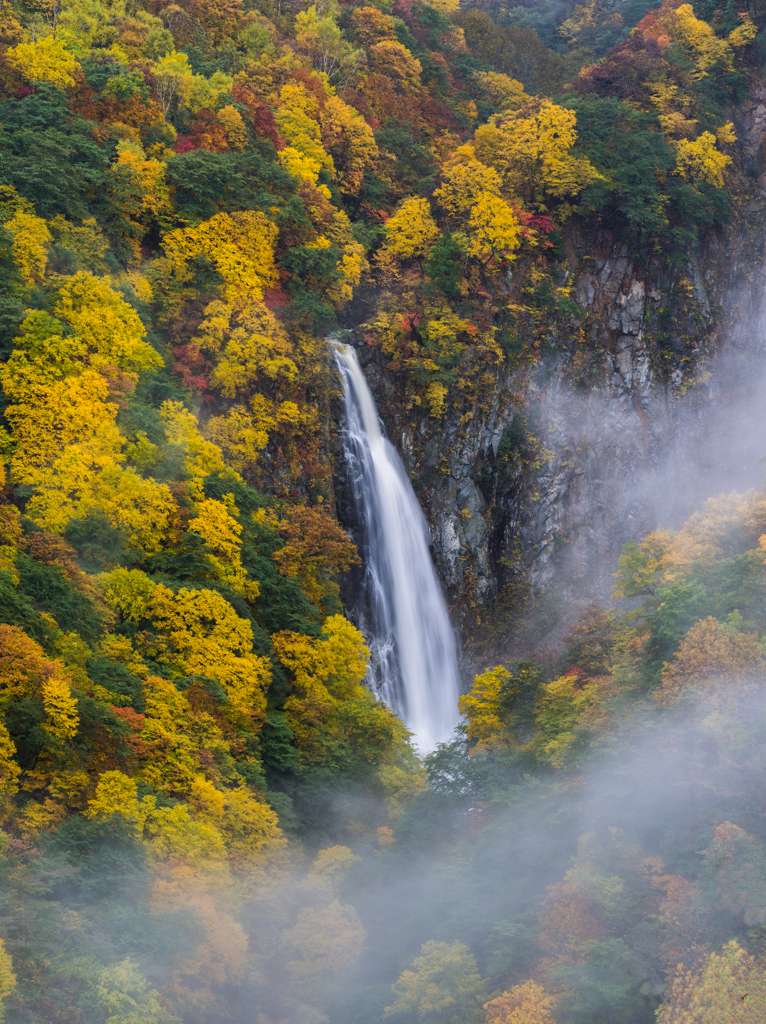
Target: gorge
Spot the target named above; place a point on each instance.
(382, 519)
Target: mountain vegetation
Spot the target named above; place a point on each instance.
(206, 816)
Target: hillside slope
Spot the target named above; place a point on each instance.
(538, 226)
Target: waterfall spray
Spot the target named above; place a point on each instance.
(414, 659)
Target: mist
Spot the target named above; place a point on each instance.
(594, 840)
(475, 859)
(207, 815)
(639, 454)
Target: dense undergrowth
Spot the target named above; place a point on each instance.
(206, 816)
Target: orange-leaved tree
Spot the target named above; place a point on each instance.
(712, 658)
(316, 550)
(527, 1003)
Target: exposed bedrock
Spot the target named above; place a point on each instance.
(637, 409)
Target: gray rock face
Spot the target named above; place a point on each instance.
(640, 408)
(443, 467)
(603, 409)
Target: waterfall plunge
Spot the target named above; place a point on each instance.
(414, 661)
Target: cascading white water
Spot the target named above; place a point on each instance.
(414, 659)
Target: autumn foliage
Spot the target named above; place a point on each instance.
(204, 805)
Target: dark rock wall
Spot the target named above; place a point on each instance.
(636, 410)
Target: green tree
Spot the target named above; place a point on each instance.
(52, 156)
(443, 985)
(125, 997)
(444, 262)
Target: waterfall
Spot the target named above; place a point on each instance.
(414, 660)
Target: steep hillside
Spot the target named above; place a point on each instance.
(542, 228)
(630, 396)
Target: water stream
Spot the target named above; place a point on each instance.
(414, 659)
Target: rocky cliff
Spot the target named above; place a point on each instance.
(638, 400)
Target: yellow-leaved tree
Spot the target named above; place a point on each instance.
(69, 449)
(701, 160)
(501, 705)
(248, 825)
(325, 671)
(483, 709)
(169, 832)
(233, 125)
(215, 523)
(31, 242)
(349, 141)
(256, 364)
(698, 36)
(64, 380)
(93, 329)
(203, 91)
(200, 457)
(241, 434)
(256, 353)
(214, 822)
(507, 92)
(173, 736)
(7, 978)
(410, 233)
(729, 986)
(46, 59)
(9, 772)
(532, 151)
(494, 230)
(464, 181)
(353, 260)
(319, 36)
(55, 779)
(25, 672)
(717, 530)
(197, 632)
(136, 187)
(173, 78)
(298, 122)
(471, 193)
(241, 245)
(108, 326)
